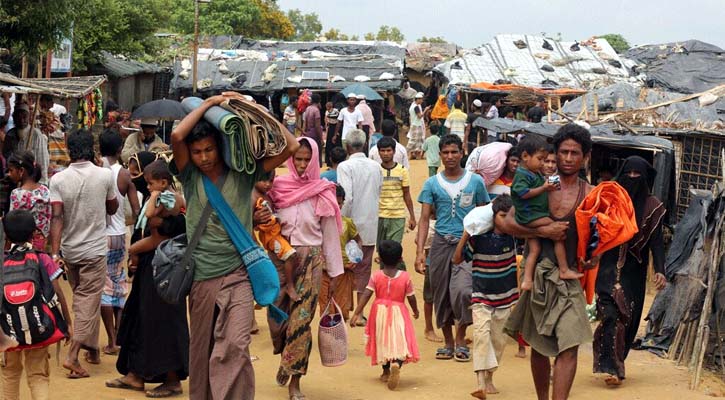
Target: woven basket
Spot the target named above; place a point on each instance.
(332, 336)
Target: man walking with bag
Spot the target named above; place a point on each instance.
(221, 306)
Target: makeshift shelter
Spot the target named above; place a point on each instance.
(422, 57)
(132, 82)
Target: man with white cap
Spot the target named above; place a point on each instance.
(416, 133)
(476, 136)
(351, 118)
(24, 137)
(146, 140)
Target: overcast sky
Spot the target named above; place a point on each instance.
(471, 23)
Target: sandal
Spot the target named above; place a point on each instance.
(162, 391)
(444, 353)
(119, 384)
(111, 351)
(463, 354)
(297, 396)
(76, 371)
(362, 321)
(282, 377)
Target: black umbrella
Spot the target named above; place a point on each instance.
(160, 109)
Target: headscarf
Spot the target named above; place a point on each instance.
(637, 188)
(142, 158)
(648, 210)
(292, 189)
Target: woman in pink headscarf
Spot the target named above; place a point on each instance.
(310, 219)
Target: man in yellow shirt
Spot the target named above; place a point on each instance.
(394, 196)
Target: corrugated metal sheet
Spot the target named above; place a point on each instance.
(501, 59)
(118, 67)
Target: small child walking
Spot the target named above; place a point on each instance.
(270, 235)
(529, 195)
(163, 202)
(432, 153)
(19, 226)
(494, 292)
(389, 332)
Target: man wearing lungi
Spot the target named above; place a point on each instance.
(221, 302)
(449, 196)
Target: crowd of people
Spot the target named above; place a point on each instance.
(74, 201)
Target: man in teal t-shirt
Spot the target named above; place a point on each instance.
(221, 302)
(452, 193)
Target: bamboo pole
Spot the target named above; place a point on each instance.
(596, 106)
(676, 342)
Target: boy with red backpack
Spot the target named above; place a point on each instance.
(33, 310)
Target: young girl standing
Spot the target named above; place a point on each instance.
(389, 331)
(30, 195)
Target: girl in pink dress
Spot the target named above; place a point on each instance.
(389, 330)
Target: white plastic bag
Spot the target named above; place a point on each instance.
(479, 220)
(353, 251)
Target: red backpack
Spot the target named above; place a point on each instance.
(29, 308)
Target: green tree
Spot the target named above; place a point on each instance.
(391, 34)
(617, 41)
(33, 26)
(369, 36)
(432, 39)
(335, 34)
(252, 18)
(307, 26)
(124, 27)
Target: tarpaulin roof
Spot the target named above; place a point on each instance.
(687, 67)
(520, 58)
(274, 47)
(250, 76)
(600, 134)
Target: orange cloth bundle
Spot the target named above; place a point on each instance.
(615, 224)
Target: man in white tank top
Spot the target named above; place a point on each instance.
(116, 288)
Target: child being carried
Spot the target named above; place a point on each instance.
(530, 198)
(163, 202)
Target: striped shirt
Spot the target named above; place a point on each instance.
(392, 204)
(494, 270)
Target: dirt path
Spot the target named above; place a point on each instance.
(648, 377)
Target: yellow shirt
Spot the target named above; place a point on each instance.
(349, 231)
(391, 203)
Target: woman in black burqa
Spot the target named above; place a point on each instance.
(153, 335)
(622, 277)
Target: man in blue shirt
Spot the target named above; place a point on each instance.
(448, 197)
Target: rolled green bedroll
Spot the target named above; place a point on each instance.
(237, 151)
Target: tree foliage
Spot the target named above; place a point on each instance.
(617, 41)
(386, 33)
(32, 26)
(117, 26)
(307, 26)
(335, 34)
(432, 39)
(251, 18)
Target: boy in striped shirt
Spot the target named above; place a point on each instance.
(494, 292)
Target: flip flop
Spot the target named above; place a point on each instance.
(76, 371)
(444, 353)
(462, 354)
(111, 352)
(162, 392)
(362, 321)
(119, 384)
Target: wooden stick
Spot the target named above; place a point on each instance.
(596, 106)
(627, 127)
(676, 342)
(548, 114)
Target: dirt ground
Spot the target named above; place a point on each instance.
(648, 377)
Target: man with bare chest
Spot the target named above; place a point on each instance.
(551, 317)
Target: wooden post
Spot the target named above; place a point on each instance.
(39, 68)
(196, 46)
(548, 109)
(24, 67)
(596, 107)
(48, 60)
